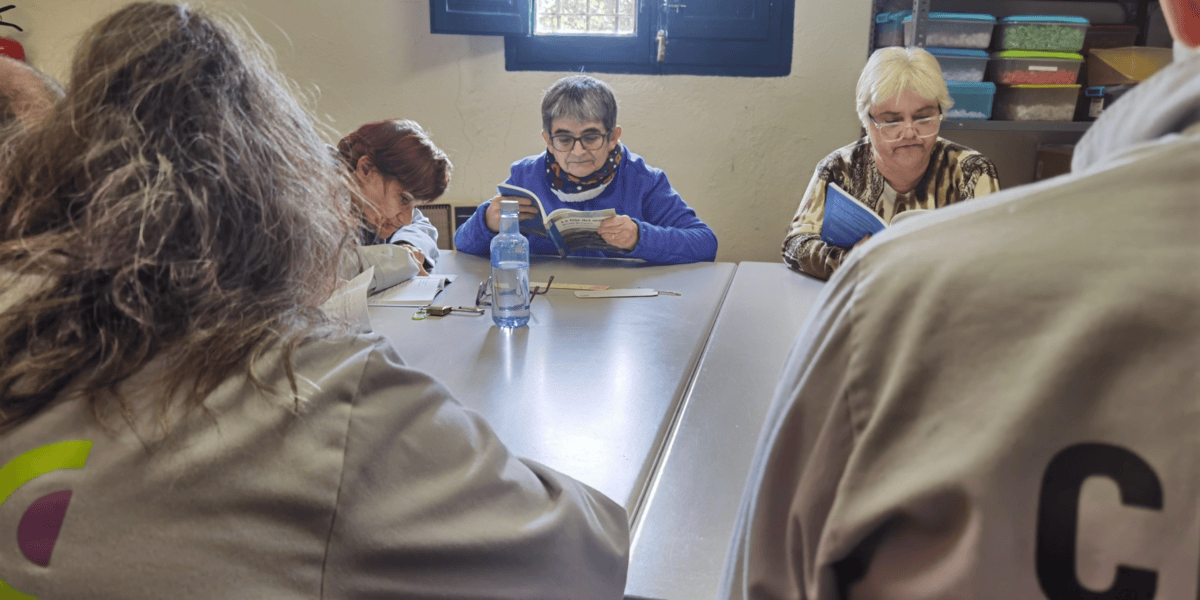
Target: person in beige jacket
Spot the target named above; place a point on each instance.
(1002, 400)
(179, 418)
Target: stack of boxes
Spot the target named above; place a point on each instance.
(1036, 66)
(1035, 69)
(1030, 75)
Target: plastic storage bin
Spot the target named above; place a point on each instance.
(1042, 32)
(1015, 67)
(972, 100)
(889, 31)
(1036, 102)
(953, 30)
(961, 65)
(1109, 36)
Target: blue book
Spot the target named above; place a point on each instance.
(847, 220)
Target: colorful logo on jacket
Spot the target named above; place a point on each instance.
(38, 529)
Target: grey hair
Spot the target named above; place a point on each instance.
(579, 97)
(892, 70)
(181, 204)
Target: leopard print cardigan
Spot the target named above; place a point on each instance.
(955, 173)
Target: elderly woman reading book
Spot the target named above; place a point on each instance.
(585, 168)
(902, 164)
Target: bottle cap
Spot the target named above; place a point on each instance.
(510, 206)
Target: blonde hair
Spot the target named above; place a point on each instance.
(892, 70)
(179, 203)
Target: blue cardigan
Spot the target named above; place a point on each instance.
(669, 230)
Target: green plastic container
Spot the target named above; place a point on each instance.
(1049, 33)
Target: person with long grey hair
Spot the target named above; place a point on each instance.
(178, 415)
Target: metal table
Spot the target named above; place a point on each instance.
(591, 387)
(682, 535)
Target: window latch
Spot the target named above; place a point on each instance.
(662, 45)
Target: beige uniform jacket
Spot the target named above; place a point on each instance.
(1001, 400)
(393, 264)
(382, 486)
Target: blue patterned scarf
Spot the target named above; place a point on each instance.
(570, 189)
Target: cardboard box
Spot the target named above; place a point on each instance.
(1132, 64)
(1053, 160)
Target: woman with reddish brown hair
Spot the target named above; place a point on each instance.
(395, 168)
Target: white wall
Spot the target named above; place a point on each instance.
(739, 150)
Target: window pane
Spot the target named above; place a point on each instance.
(603, 17)
(547, 24)
(602, 7)
(573, 24)
(602, 24)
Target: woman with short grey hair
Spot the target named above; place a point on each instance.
(586, 168)
(900, 165)
(585, 98)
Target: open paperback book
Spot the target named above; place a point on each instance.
(418, 291)
(847, 220)
(571, 230)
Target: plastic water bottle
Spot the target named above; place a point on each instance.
(510, 270)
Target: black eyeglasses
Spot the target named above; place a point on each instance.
(485, 291)
(566, 143)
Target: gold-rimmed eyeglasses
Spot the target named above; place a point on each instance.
(483, 296)
(924, 127)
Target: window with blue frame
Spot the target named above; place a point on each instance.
(751, 38)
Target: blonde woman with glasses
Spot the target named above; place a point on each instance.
(902, 164)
